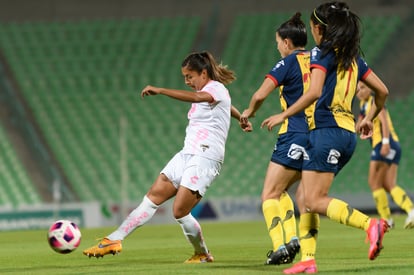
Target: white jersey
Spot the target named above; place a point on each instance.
(209, 124)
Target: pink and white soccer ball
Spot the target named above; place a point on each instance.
(64, 236)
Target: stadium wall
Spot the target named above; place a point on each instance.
(94, 214)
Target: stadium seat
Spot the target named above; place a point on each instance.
(16, 187)
(81, 77)
(377, 31)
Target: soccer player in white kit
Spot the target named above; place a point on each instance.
(189, 174)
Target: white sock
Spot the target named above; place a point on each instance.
(192, 232)
(138, 217)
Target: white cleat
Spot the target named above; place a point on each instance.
(409, 221)
(390, 222)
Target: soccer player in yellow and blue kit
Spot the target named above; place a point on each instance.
(291, 75)
(385, 158)
(336, 67)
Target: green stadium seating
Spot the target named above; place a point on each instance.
(16, 188)
(376, 33)
(82, 78)
(400, 110)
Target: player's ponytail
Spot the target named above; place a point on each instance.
(340, 32)
(295, 30)
(204, 60)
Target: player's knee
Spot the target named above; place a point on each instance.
(179, 213)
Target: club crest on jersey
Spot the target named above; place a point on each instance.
(278, 65)
(314, 53)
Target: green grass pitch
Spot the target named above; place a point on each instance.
(239, 248)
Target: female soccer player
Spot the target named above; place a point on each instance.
(385, 157)
(291, 74)
(336, 68)
(189, 174)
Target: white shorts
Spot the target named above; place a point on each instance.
(193, 172)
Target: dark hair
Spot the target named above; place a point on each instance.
(295, 30)
(204, 60)
(340, 32)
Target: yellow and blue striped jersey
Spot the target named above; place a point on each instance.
(365, 107)
(334, 107)
(291, 74)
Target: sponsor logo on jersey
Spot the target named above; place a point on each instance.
(333, 157)
(296, 152)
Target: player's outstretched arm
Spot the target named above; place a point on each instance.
(182, 95)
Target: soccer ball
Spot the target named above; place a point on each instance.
(64, 236)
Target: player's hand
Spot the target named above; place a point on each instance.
(365, 129)
(272, 121)
(244, 117)
(385, 150)
(150, 90)
(246, 126)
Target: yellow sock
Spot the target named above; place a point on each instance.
(341, 212)
(401, 199)
(288, 214)
(308, 232)
(381, 202)
(271, 213)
